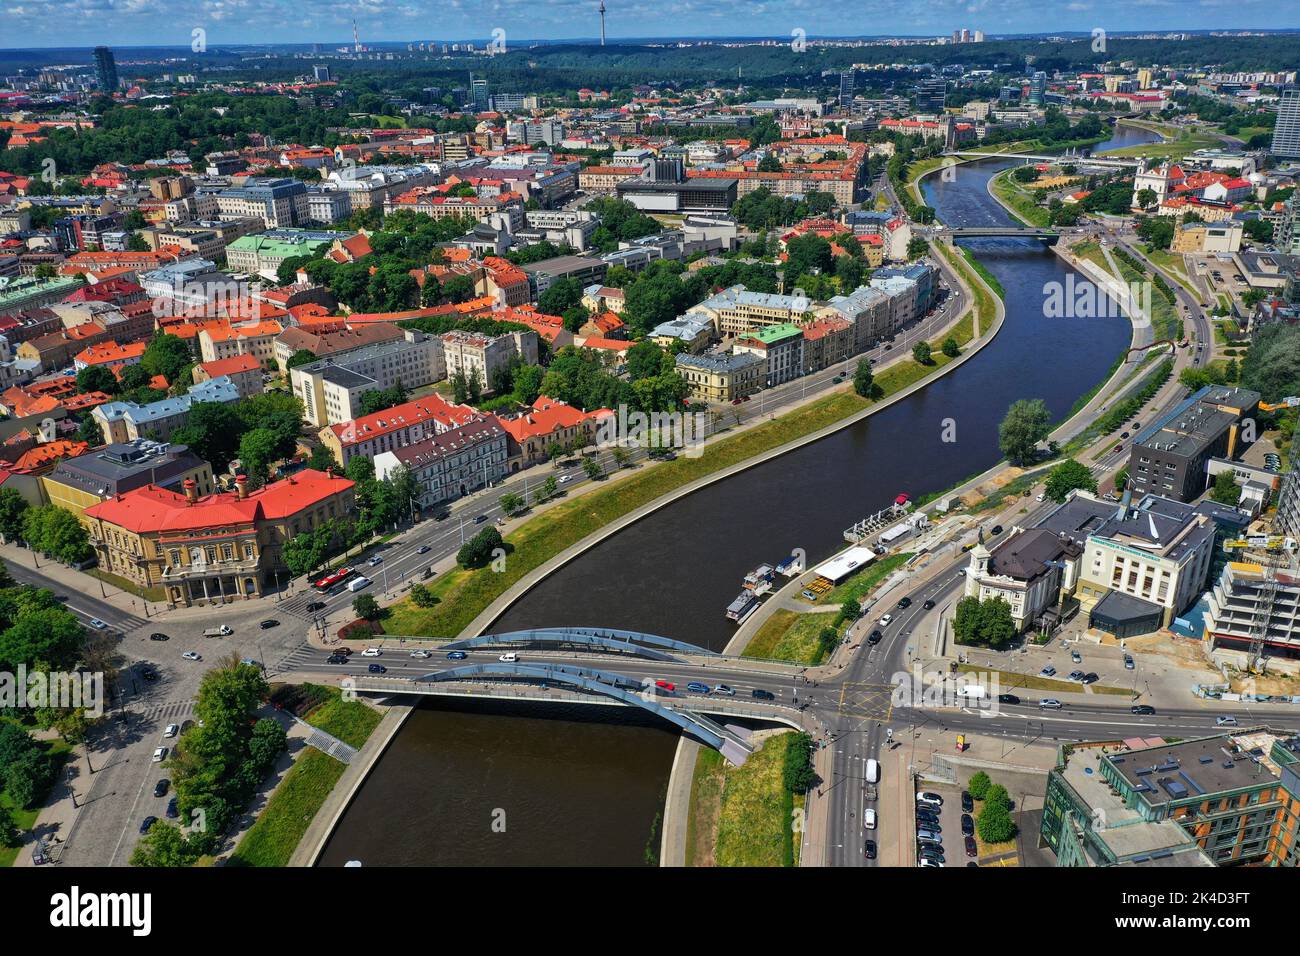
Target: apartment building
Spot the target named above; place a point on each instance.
(264, 254)
(253, 338)
(122, 422)
(477, 356)
(736, 310)
(453, 463)
(548, 423)
(1255, 602)
(332, 340)
(276, 202)
(781, 349)
(721, 377)
(395, 427)
(869, 311)
(331, 389)
(245, 371)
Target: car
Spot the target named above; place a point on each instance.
(927, 605)
(972, 849)
(1049, 703)
(479, 519)
(837, 379)
(1076, 675)
(967, 802)
(423, 549)
(697, 687)
(1142, 710)
(159, 754)
(269, 623)
(927, 819)
(97, 624)
(171, 731)
(885, 619)
(996, 529)
(967, 824)
(376, 560)
(869, 849)
(313, 606)
(759, 694)
(564, 479)
(1089, 678)
(161, 787)
(420, 655)
(1128, 663)
(372, 652)
(1048, 671)
(172, 813)
(924, 861)
(192, 656)
(931, 849)
(1118, 448)
(933, 799)
(904, 603)
(1041, 497)
(456, 655)
(510, 657)
(809, 595)
(930, 834)
(1123, 434)
(147, 823)
(724, 690)
(1008, 699)
(1225, 721)
(336, 659)
(156, 636)
(931, 824)
(345, 651)
(869, 819)
(666, 685)
(875, 637)
(1076, 657)
(377, 669)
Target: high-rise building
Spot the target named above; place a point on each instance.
(979, 36)
(321, 73)
(105, 69)
(846, 88)
(1286, 134)
(478, 94)
(1287, 521)
(1038, 88)
(930, 94)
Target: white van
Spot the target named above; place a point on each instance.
(359, 582)
(869, 819)
(873, 770)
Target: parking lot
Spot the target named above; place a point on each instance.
(949, 821)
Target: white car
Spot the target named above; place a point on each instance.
(160, 755)
(192, 656)
(869, 819)
(171, 731)
(375, 560)
(933, 799)
(564, 479)
(510, 658)
(420, 655)
(97, 624)
(371, 652)
(1225, 721)
(885, 619)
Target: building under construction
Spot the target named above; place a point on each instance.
(1254, 607)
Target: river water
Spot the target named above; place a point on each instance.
(469, 783)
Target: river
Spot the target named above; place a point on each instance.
(584, 785)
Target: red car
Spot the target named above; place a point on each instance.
(665, 685)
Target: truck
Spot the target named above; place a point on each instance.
(222, 631)
(359, 582)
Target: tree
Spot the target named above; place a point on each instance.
(1027, 422)
(921, 353)
(168, 356)
(950, 347)
(165, 846)
(1066, 477)
(480, 549)
(512, 503)
(365, 607)
(593, 467)
(864, 382)
(798, 774)
(547, 490)
(1225, 490)
(13, 508)
(1121, 479)
(978, 785)
(421, 596)
(983, 623)
(300, 357)
(133, 378)
(57, 532)
(257, 449)
(97, 378)
(995, 824)
(212, 432)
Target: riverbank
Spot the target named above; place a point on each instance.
(469, 601)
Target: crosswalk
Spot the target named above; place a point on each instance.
(170, 711)
(296, 606)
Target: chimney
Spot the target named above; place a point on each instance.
(241, 486)
(191, 490)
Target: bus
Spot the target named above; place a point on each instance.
(333, 579)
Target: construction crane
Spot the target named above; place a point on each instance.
(1272, 545)
(1291, 401)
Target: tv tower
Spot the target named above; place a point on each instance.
(602, 22)
(356, 39)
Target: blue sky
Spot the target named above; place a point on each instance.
(171, 22)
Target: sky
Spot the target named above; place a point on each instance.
(44, 23)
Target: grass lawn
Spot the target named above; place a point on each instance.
(1026, 209)
(278, 830)
(1172, 263)
(350, 721)
(864, 581)
(1181, 143)
(756, 811)
(23, 819)
(793, 636)
(130, 587)
(706, 804)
